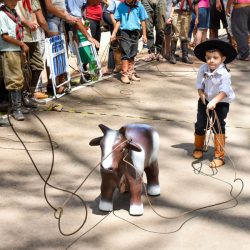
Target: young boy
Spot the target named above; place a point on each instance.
(214, 89)
(11, 33)
(130, 16)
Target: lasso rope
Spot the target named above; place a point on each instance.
(58, 211)
(210, 126)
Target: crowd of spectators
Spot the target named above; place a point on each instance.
(24, 25)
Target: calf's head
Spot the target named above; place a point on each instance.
(116, 141)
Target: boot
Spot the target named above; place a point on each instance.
(29, 101)
(125, 76)
(219, 154)
(198, 144)
(4, 122)
(167, 47)
(118, 60)
(131, 71)
(184, 49)
(16, 104)
(172, 58)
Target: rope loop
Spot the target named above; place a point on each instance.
(58, 213)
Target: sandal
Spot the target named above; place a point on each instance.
(150, 58)
(40, 95)
(246, 59)
(60, 90)
(216, 163)
(107, 72)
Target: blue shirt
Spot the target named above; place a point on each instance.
(113, 5)
(74, 7)
(130, 18)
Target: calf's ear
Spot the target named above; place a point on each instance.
(104, 128)
(133, 146)
(95, 141)
(122, 130)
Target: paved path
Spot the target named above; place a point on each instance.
(166, 99)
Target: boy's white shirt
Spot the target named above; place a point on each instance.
(212, 83)
(7, 26)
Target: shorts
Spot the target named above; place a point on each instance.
(12, 70)
(204, 16)
(129, 43)
(56, 24)
(217, 16)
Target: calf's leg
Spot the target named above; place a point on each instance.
(108, 186)
(152, 173)
(135, 187)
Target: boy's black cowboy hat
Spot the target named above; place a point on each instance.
(215, 44)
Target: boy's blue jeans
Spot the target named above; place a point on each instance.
(129, 43)
(222, 109)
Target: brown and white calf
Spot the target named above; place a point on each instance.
(141, 144)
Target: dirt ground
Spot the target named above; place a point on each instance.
(166, 99)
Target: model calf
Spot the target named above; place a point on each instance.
(126, 154)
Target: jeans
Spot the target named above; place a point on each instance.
(222, 109)
(107, 20)
(55, 24)
(129, 43)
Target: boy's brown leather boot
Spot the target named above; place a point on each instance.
(219, 154)
(125, 76)
(131, 71)
(198, 146)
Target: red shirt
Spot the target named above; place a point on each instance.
(94, 12)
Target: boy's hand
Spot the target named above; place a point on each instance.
(228, 12)
(71, 19)
(32, 25)
(211, 105)
(169, 20)
(145, 39)
(112, 38)
(24, 48)
(94, 41)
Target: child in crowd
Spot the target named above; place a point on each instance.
(94, 15)
(215, 93)
(130, 16)
(114, 57)
(202, 20)
(11, 44)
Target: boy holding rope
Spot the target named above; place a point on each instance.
(130, 16)
(11, 47)
(215, 93)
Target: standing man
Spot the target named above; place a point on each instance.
(156, 10)
(217, 15)
(181, 20)
(26, 10)
(240, 24)
(58, 14)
